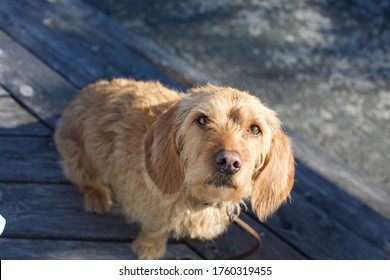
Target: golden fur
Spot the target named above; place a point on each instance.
(155, 150)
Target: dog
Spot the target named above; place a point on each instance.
(177, 163)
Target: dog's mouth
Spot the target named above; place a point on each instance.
(214, 190)
(221, 180)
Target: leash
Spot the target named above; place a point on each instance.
(247, 228)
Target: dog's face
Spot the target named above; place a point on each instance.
(221, 145)
(223, 140)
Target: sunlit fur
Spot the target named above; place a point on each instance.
(142, 143)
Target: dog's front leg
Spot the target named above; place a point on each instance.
(150, 244)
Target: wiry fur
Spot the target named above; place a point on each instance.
(141, 142)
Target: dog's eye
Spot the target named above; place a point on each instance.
(254, 130)
(202, 121)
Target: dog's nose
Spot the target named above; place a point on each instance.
(227, 162)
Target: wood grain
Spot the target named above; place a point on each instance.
(319, 235)
(15, 120)
(76, 40)
(29, 159)
(236, 241)
(32, 249)
(352, 213)
(352, 181)
(35, 85)
(55, 211)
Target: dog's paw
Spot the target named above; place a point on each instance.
(147, 249)
(97, 200)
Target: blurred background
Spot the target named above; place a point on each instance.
(323, 65)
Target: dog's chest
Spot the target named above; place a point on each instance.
(204, 224)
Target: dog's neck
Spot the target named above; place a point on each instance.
(233, 210)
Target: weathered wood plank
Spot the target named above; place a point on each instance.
(319, 196)
(319, 235)
(15, 120)
(29, 159)
(76, 40)
(56, 212)
(355, 183)
(235, 241)
(32, 82)
(30, 249)
(348, 211)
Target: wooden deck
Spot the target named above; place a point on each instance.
(49, 50)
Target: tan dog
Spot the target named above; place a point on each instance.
(177, 163)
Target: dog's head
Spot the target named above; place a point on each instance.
(220, 145)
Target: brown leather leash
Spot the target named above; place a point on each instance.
(244, 226)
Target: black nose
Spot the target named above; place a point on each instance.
(227, 162)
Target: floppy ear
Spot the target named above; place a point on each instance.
(274, 182)
(161, 154)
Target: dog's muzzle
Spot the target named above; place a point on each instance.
(226, 163)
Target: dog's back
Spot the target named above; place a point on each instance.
(102, 131)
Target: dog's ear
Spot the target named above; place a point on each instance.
(162, 158)
(273, 184)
